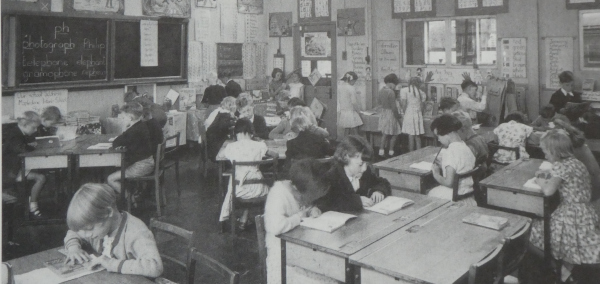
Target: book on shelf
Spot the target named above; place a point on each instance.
(328, 221)
(424, 166)
(390, 205)
(487, 221)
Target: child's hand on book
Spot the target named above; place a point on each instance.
(366, 202)
(76, 255)
(314, 212)
(377, 197)
(101, 260)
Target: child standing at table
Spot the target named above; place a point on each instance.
(574, 225)
(136, 139)
(411, 99)
(348, 117)
(126, 245)
(389, 120)
(15, 141)
(50, 117)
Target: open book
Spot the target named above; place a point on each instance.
(59, 267)
(531, 184)
(425, 166)
(390, 205)
(328, 221)
(492, 222)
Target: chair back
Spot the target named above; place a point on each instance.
(7, 274)
(516, 247)
(172, 241)
(197, 258)
(474, 174)
(159, 159)
(169, 150)
(259, 220)
(489, 269)
(267, 175)
(493, 147)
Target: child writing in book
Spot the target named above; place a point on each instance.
(390, 120)
(353, 184)
(574, 225)
(50, 117)
(15, 141)
(547, 116)
(287, 203)
(123, 241)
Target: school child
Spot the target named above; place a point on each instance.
(390, 120)
(457, 159)
(49, 118)
(574, 225)
(451, 105)
(277, 84)
(547, 115)
(15, 141)
(512, 133)
(287, 203)
(411, 99)
(476, 142)
(353, 183)
(565, 94)
(245, 150)
(122, 241)
(307, 140)
(218, 126)
(296, 88)
(258, 121)
(348, 117)
(468, 96)
(284, 127)
(136, 139)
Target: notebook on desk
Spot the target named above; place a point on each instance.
(328, 221)
(47, 142)
(390, 205)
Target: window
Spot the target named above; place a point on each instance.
(459, 41)
(589, 29)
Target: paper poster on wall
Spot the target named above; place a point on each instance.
(305, 7)
(179, 8)
(280, 24)
(187, 98)
(229, 23)
(423, 5)
(401, 6)
(358, 52)
(388, 58)
(316, 44)
(324, 67)
(252, 30)
(110, 6)
(463, 4)
(206, 3)
(195, 58)
(148, 43)
(132, 8)
(202, 25)
(514, 57)
(492, 3)
(321, 8)
(559, 58)
(448, 76)
(305, 66)
(314, 77)
(38, 100)
(250, 6)
(351, 22)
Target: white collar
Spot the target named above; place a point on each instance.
(566, 93)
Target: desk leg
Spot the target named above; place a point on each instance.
(283, 263)
(349, 272)
(357, 269)
(71, 185)
(22, 187)
(220, 181)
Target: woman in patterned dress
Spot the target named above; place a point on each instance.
(389, 119)
(411, 99)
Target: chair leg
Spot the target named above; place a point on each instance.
(162, 190)
(232, 219)
(157, 195)
(177, 177)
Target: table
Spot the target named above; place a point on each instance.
(85, 158)
(401, 176)
(328, 253)
(36, 261)
(176, 122)
(436, 248)
(195, 124)
(370, 126)
(505, 188)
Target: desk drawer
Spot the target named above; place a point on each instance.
(316, 261)
(100, 160)
(409, 182)
(516, 201)
(368, 276)
(47, 162)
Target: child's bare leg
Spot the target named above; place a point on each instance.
(418, 141)
(393, 144)
(39, 180)
(114, 180)
(382, 145)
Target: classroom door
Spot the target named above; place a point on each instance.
(315, 58)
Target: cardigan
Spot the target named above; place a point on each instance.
(260, 127)
(559, 100)
(343, 197)
(155, 133)
(233, 89)
(306, 145)
(14, 142)
(217, 133)
(137, 141)
(214, 94)
(134, 249)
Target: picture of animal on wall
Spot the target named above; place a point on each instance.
(169, 8)
(280, 24)
(351, 22)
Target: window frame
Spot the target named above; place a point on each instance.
(582, 58)
(447, 43)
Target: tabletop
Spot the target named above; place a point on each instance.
(594, 145)
(402, 163)
(278, 146)
(438, 247)
(78, 145)
(35, 261)
(364, 230)
(514, 176)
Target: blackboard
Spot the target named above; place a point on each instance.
(170, 51)
(54, 50)
(230, 59)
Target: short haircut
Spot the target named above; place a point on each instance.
(244, 99)
(243, 125)
(351, 147)
(133, 108)
(29, 118)
(130, 96)
(391, 78)
(91, 204)
(350, 76)
(296, 102)
(558, 143)
(246, 112)
(565, 77)
(576, 135)
(467, 83)
(547, 111)
(307, 176)
(301, 118)
(51, 113)
(275, 71)
(516, 116)
(464, 120)
(445, 124)
(229, 103)
(224, 74)
(448, 103)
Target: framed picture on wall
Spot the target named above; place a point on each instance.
(351, 22)
(583, 4)
(280, 24)
(250, 6)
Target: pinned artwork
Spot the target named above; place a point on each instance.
(316, 44)
(206, 3)
(314, 77)
(280, 24)
(250, 6)
(108, 6)
(351, 22)
(169, 8)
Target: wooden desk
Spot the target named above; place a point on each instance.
(36, 261)
(401, 176)
(505, 188)
(328, 253)
(594, 145)
(436, 248)
(86, 158)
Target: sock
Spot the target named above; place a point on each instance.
(33, 206)
(391, 152)
(381, 152)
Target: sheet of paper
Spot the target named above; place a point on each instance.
(195, 61)
(229, 22)
(546, 166)
(368, 112)
(314, 77)
(202, 24)
(100, 146)
(425, 166)
(324, 67)
(172, 95)
(133, 8)
(305, 68)
(530, 183)
(148, 43)
(56, 5)
(252, 29)
(46, 276)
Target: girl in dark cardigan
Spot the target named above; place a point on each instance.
(218, 126)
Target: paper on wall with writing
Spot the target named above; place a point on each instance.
(487, 221)
(390, 205)
(328, 221)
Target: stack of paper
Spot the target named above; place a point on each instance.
(425, 166)
(328, 221)
(487, 221)
(100, 146)
(531, 184)
(390, 205)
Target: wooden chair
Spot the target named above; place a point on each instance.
(173, 242)
(252, 202)
(155, 177)
(474, 173)
(195, 257)
(493, 147)
(171, 159)
(259, 220)
(516, 247)
(489, 269)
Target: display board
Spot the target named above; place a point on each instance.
(480, 7)
(387, 55)
(38, 100)
(405, 9)
(230, 59)
(514, 57)
(558, 57)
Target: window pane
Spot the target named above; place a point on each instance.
(487, 41)
(436, 50)
(465, 36)
(590, 23)
(415, 37)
